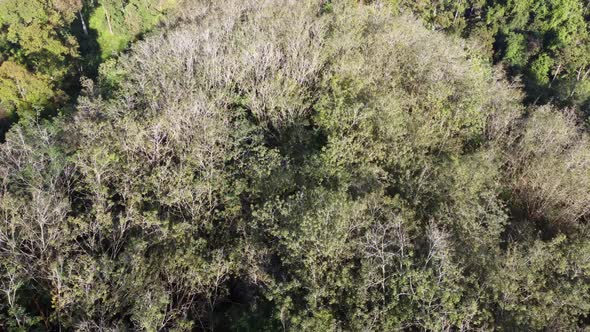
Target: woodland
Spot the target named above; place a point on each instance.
(294, 165)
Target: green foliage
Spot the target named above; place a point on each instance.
(553, 165)
(33, 29)
(282, 165)
(46, 46)
(540, 69)
(546, 42)
(23, 91)
(539, 274)
(37, 53)
(516, 52)
(119, 22)
(110, 43)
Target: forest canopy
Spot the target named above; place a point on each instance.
(282, 165)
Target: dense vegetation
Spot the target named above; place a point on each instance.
(47, 45)
(268, 165)
(546, 42)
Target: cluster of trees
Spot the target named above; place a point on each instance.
(547, 43)
(268, 165)
(47, 45)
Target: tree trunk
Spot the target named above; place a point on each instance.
(108, 20)
(556, 73)
(83, 23)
